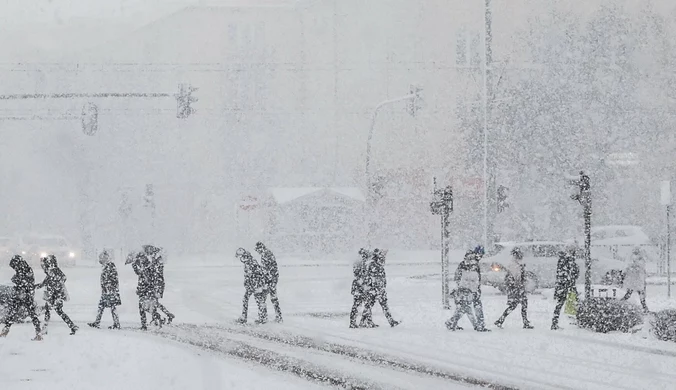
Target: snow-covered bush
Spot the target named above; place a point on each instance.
(664, 325)
(607, 315)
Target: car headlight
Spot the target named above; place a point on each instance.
(23, 252)
(71, 254)
(43, 254)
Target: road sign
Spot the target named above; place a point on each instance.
(665, 198)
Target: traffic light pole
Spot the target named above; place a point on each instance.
(584, 197)
(442, 205)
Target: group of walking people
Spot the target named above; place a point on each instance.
(368, 287)
(148, 264)
(260, 280)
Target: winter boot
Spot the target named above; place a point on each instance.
(94, 325)
(241, 320)
(5, 332)
(144, 327)
(73, 329)
(45, 328)
(260, 321)
(482, 329)
(170, 318)
(38, 337)
(278, 319)
(114, 326)
(555, 327)
(394, 323)
(498, 323)
(452, 327)
(353, 325)
(527, 325)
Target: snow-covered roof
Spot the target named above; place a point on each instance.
(288, 194)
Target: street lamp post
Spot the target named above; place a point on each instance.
(414, 96)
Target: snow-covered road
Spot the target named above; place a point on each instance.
(316, 301)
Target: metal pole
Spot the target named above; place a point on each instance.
(668, 254)
(585, 197)
(445, 235)
(485, 119)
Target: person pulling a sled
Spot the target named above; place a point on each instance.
(467, 278)
(24, 291)
(635, 277)
(515, 281)
(271, 276)
(254, 284)
(55, 292)
(376, 290)
(110, 291)
(567, 272)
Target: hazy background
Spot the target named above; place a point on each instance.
(286, 91)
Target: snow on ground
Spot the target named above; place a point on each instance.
(98, 359)
(316, 301)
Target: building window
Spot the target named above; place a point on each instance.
(468, 50)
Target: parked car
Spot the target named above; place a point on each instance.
(35, 246)
(540, 258)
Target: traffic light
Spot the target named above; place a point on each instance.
(184, 99)
(90, 119)
(583, 192)
(415, 103)
(503, 192)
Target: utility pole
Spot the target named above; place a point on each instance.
(442, 204)
(584, 197)
(488, 160)
(665, 200)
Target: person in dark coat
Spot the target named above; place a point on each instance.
(567, 272)
(254, 284)
(467, 279)
(110, 291)
(24, 291)
(376, 290)
(358, 290)
(55, 292)
(145, 289)
(516, 289)
(476, 296)
(157, 267)
(271, 276)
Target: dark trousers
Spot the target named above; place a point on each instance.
(371, 299)
(164, 310)
(272, 290)
(462, 308)
(641, 295)
(512, 303)
(148, 304)
(15, 310)
(58, 308)
(478, 311)
(113, 312)
(357, 301)
(560, 301)
(260, 301)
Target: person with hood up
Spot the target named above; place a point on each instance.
(358, 290)
(24, 291)
(110, 291)
(254, 284)
(467, 286)
(55, 292)
(376, 290)
(145, 288)
(271, 276)
(635, 277)
(516, 289)
(476, 297)
(157, 269)
(567, 272)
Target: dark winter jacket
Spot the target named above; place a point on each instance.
(376, 279)
(515, 280)
(468, 276)
(24, 282)
(110, 286)
(146, 286)
(54, 285)
(359, 280)
(158, 276)
(270, 266)
(254, 276)
(567, 272)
